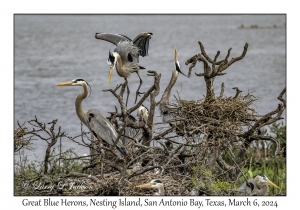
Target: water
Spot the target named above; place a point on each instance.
(49, 49)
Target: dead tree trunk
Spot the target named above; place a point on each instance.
(217, 67)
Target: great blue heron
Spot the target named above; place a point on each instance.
(126, 55)
(132, 133)
(101, 128)
(261, 132)
(166, 111)
(137, 134)
(143, 113)
(156, 184)
(258, 186)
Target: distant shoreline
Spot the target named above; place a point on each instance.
(242, 26)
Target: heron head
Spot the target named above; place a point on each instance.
(111, 61)
(263, 179)
(142, 112)
(177, 66)
(155, 183)
(75, 82)
(176, 62)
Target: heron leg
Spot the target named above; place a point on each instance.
(128, 91)
(137, 91)
(102, 157)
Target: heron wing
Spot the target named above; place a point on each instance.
(262, 131)
(136, 134)
(245, 189)
(129, 54)
(101, 127)
(142, 42)
(112, 38)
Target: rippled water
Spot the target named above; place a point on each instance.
(49, 49)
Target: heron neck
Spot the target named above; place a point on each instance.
(119, 64)
(263, 189)
(166, 95)
(260, 189)
(161, 190)
(78, 103)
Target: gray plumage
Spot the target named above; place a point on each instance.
(244, 189)
(93, 119)
(136, 134)
(100, 126)
(125, 56)
(141, 41)
(262, 131)
(257, 186)
(129, 62)
(143, 113)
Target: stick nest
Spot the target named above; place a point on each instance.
(221, 116)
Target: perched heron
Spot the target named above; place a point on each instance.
(126, 55)
(156, 184)
(101, 128)
(132, 133)
(166, 111)
(261, 132)
(137, 134)
(143, 113)
(258, 186)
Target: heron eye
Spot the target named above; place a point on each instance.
(77, 80)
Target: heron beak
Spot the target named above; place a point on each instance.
(65, 84)
(96, 35)
(110, 74)
(176, 57)
(148, 185)
(271, 183)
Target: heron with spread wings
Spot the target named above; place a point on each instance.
(101, 128)
(125, 56)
